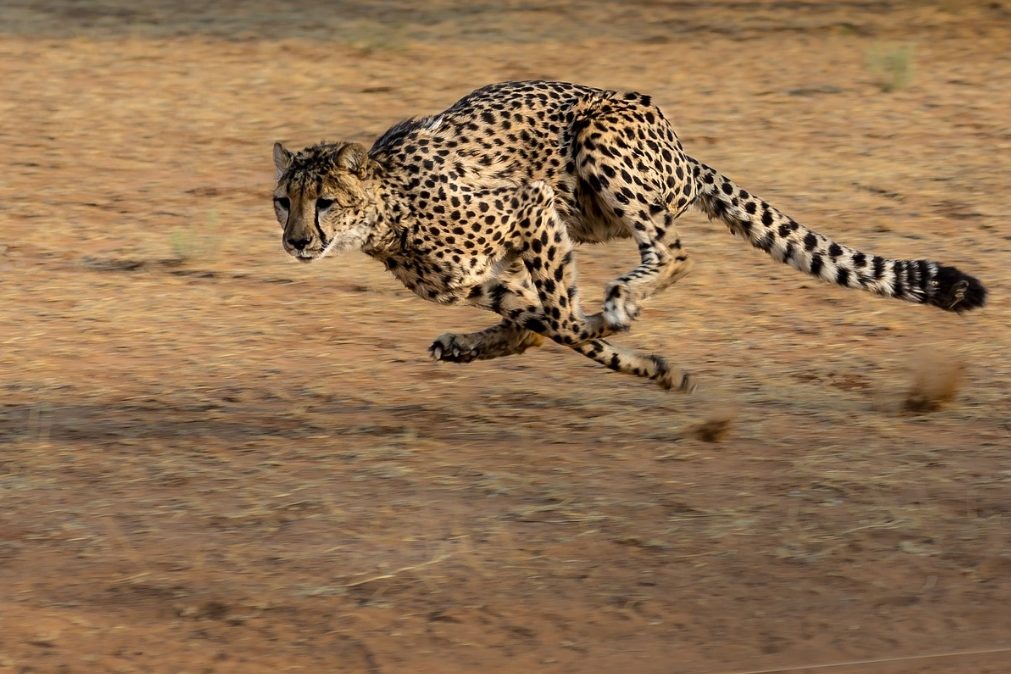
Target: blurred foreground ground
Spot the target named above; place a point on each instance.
(213, 459)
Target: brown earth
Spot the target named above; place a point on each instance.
(213, 459)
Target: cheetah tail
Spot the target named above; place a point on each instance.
(786, 240)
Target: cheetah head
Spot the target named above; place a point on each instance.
(321, 199)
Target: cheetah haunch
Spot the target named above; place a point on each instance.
(482, 204)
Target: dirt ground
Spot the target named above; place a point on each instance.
(213, 459)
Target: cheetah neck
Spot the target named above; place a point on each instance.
(386, 215)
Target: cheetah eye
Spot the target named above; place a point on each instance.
(323, 204)
(283, 202)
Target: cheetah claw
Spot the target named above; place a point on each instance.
(446, 349)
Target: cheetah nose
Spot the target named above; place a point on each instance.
(297, 244)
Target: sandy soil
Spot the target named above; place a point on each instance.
(213, 459)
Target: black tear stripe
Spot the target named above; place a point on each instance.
(319, 230)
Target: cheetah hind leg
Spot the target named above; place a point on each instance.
(561, 318)
(504, 339)
(629, 361)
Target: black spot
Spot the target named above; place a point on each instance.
(810, 241)
(498, 293)
(767, 218)
(750, 208)
(716, 208)
(728, 188)
(842, 276)
(535, 325)
(816, 264)
(859, 260)
(835, 250)
(662, 368)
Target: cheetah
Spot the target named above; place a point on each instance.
(482, 204)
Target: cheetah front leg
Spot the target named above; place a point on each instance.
(504, 339)
(507, 338)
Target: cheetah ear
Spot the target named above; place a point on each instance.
(282, 160)
(355, 158)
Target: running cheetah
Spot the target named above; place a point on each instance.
(482, 204)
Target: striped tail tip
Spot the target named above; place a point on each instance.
(953, 290)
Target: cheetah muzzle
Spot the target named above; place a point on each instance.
(483, 203)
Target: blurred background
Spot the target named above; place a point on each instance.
(213, 459)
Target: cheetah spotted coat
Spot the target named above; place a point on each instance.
(483, 203)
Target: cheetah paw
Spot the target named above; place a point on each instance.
(449, 348)
(682, 382)
(619, 308)
(688, 383)
(670, 379)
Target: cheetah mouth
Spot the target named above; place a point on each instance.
(307, 255)
(304, 255)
